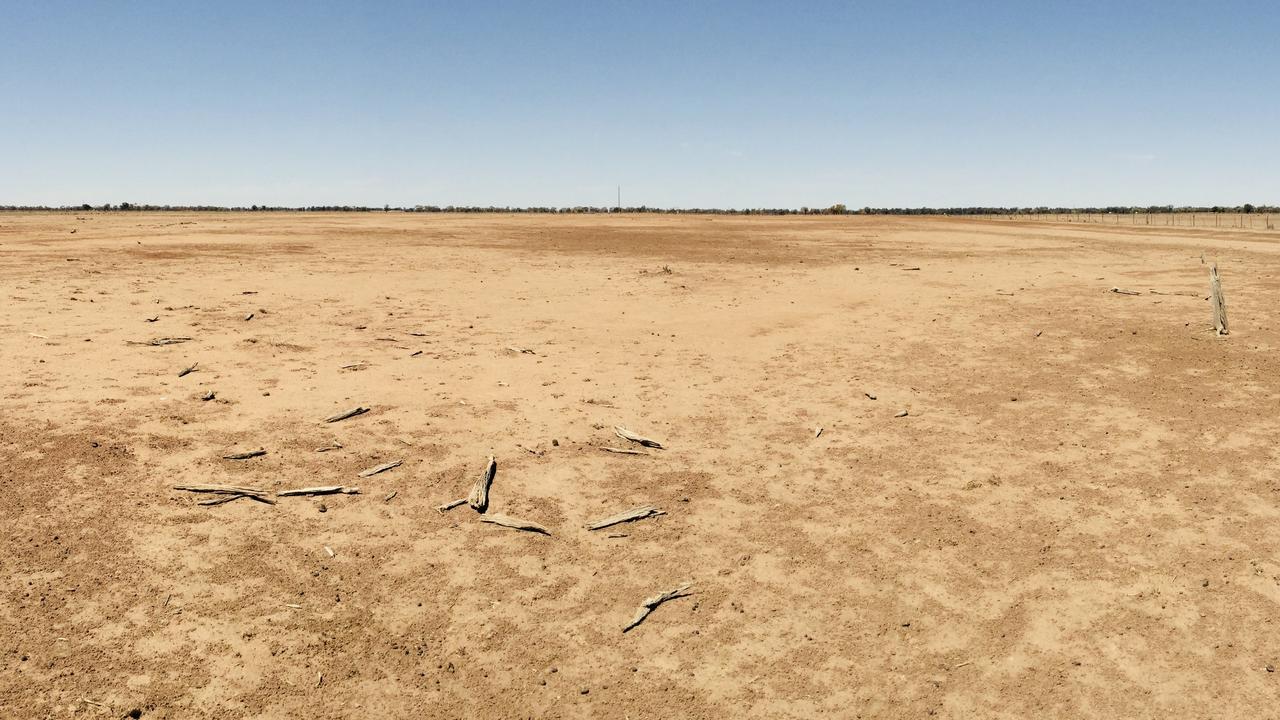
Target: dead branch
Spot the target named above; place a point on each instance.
(650, 604)
(626, 516)
(187, 371)
(516, 523)
(478, 499)
(232, 490)
(380, 468)
(245, 455)
(1118, 291)
(348, 414)
(156, 342)
(623, 451)
(442, 509)
(626, 434)
(322, 490)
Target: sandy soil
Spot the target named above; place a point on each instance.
(1078, 517)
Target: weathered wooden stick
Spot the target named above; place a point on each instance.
(156, 342)
(248, 317)
(380, 468)
(626, 434)
(245, 455)
(817, 433)
(516, 523)
(230, 498)
(623, 451)
(187, 371)
(626, 516)
(322, 490)
(520, 350)
(651, 603)
(233, 491)
(442, 509)
(327, 448)
(222, 489)
(478, 499)
(348, 414)
(1219, 302)
(1118, 291)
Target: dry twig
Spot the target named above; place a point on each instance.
(626, 434)
(626, 516)
(515, 523)
(348, 414)
(651, 603)
(380, 468)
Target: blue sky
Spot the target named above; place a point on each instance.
(733, 104)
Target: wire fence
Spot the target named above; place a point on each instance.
(1210, 220)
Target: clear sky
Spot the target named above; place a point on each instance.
(689, 104)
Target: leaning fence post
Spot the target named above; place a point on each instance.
(1219, 303)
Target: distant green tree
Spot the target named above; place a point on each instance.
(1248, 207)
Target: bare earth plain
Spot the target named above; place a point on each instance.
(1078, 517)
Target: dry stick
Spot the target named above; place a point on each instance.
(187, 371)
(248, 317)
(227, 499)
(323, 490)
(817, 433)
(626, 434)
(1219, 302)
(478, 499)
(156, 342)
(515, 523)
(450, 505)
(327, 448)
(380, 468)
(245, 455)
(350, 413)
(627, 516)
(623, 451)
(1118, 291)
(236, 492)
(650, 604)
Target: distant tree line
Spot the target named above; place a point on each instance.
(838, 209)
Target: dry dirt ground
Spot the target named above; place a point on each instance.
(1077, 518)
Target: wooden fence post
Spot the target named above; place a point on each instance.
(1219, 303)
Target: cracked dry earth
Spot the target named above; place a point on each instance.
(1078, 516)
